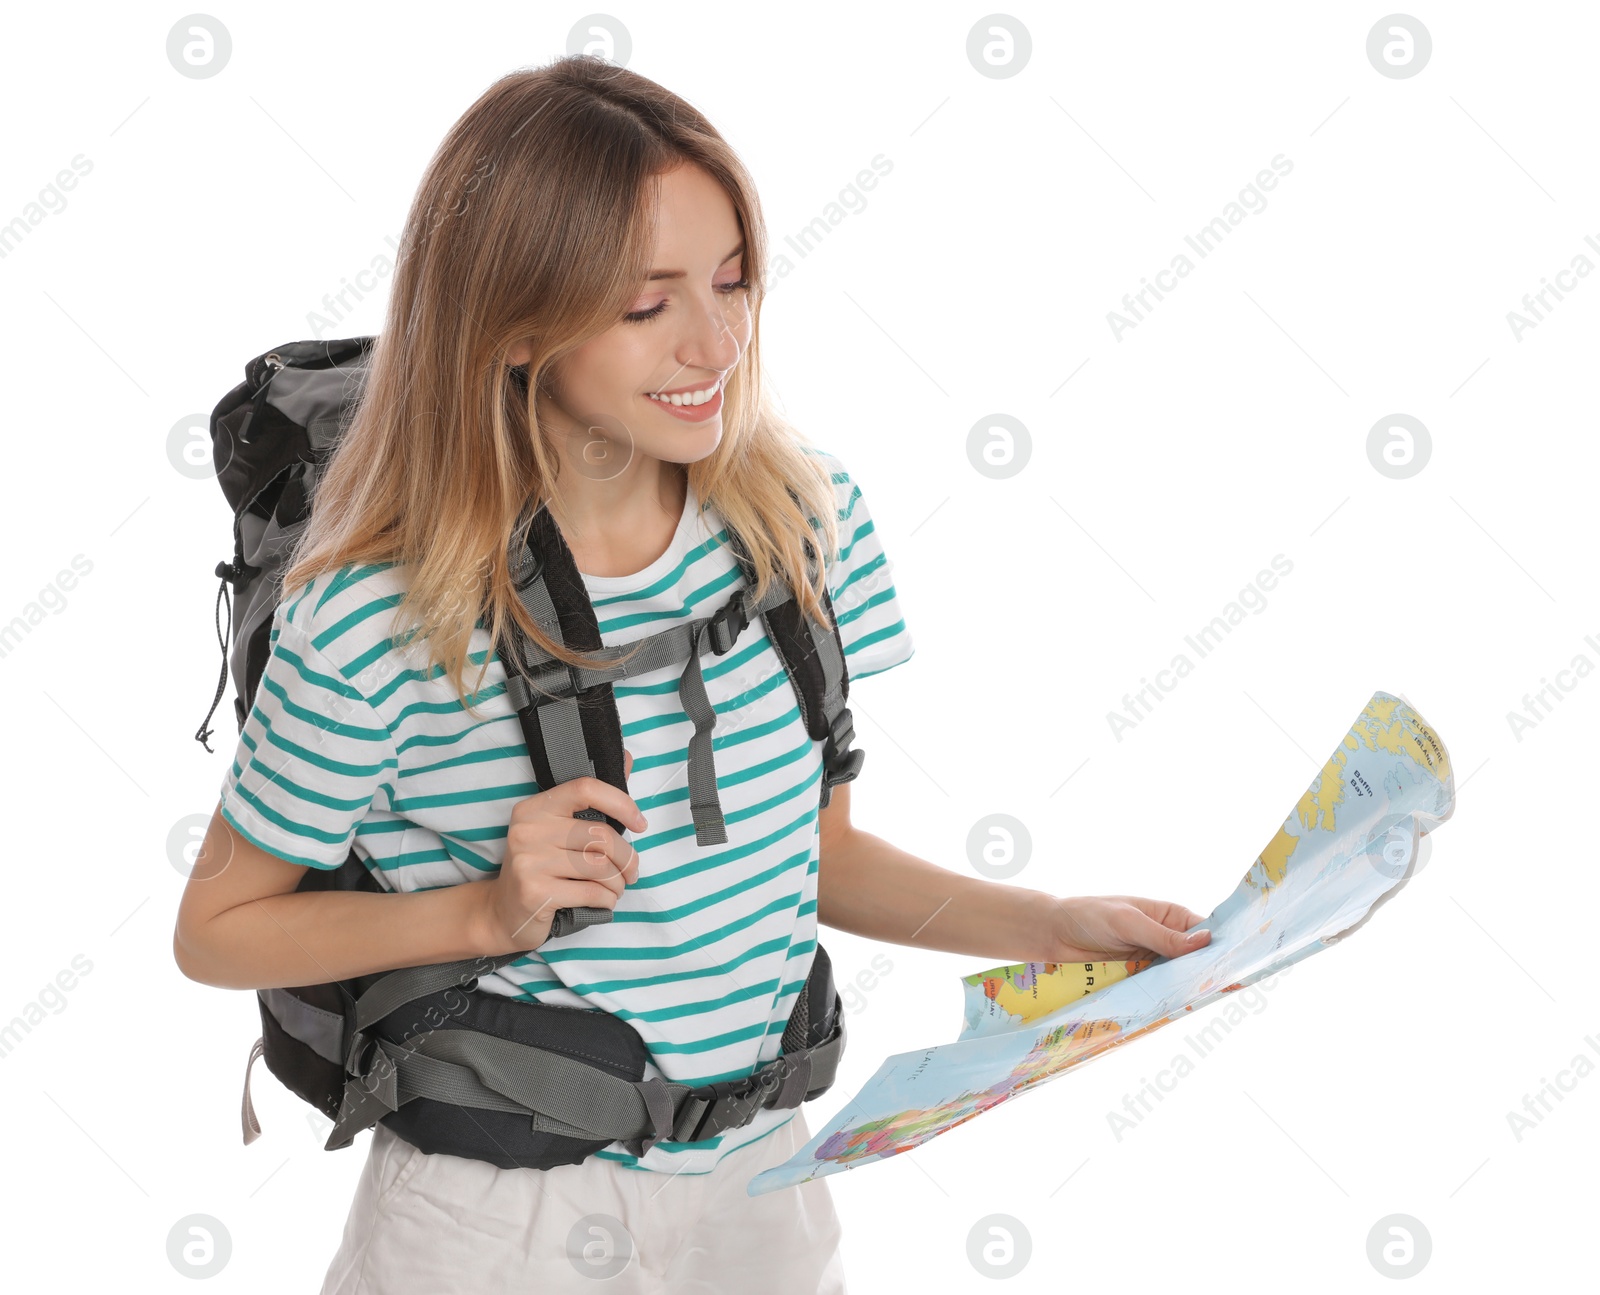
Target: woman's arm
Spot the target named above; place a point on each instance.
(242, 925)
(868, 887)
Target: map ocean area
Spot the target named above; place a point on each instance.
(1347, 846)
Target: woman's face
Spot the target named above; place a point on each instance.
(684, 332)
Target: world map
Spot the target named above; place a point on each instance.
(1350, 843)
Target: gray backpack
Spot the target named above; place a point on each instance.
(444, 1065)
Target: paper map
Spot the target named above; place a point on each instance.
(1348, 845)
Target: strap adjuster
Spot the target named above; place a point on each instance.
(371, 1089)
(552, 680)
(530, 566)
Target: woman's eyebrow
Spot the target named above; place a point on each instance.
(679, 274)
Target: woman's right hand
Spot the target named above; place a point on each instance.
(555, 861)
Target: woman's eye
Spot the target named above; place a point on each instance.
(727, 289)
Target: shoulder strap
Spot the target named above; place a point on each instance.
(555, 701)
(573, 731)
(813, 655)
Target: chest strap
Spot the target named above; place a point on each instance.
(551, 687)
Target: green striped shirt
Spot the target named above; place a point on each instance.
(354, 742)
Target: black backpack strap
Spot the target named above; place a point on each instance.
(571, 731)
(813, 655)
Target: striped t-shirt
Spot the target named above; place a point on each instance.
(354, 740)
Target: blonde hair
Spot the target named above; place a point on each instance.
(533, 223)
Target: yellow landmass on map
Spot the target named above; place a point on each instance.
(1275, 858)
(1422, 745)
(1030, 990)
(1380, 730)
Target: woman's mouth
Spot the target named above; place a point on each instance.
(695, 405)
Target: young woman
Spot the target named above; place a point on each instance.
(574, 323)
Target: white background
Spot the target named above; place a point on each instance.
(1229, 426)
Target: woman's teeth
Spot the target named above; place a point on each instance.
(687, 397)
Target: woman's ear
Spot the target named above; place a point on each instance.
(519, 354)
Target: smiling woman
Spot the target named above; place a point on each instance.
(573, 327)
(620, 403)
(539, 309)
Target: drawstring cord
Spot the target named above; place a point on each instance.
(226, 572)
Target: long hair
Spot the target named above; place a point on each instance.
(533, 223)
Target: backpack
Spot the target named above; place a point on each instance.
(444, 1065)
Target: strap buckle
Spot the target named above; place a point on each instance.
(731, 1104)
(726, 625)
(841, 732)
(840, 762)
(836, 751)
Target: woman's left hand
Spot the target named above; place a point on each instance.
(1090, 928)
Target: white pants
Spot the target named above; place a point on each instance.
(431, 1225)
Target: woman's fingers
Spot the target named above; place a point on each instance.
(605, 857)
(1164, 911)
(1162, 928)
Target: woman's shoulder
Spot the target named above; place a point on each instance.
(345, 615)
(828, 459)
(845, 488)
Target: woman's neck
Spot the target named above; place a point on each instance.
(620, 526)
